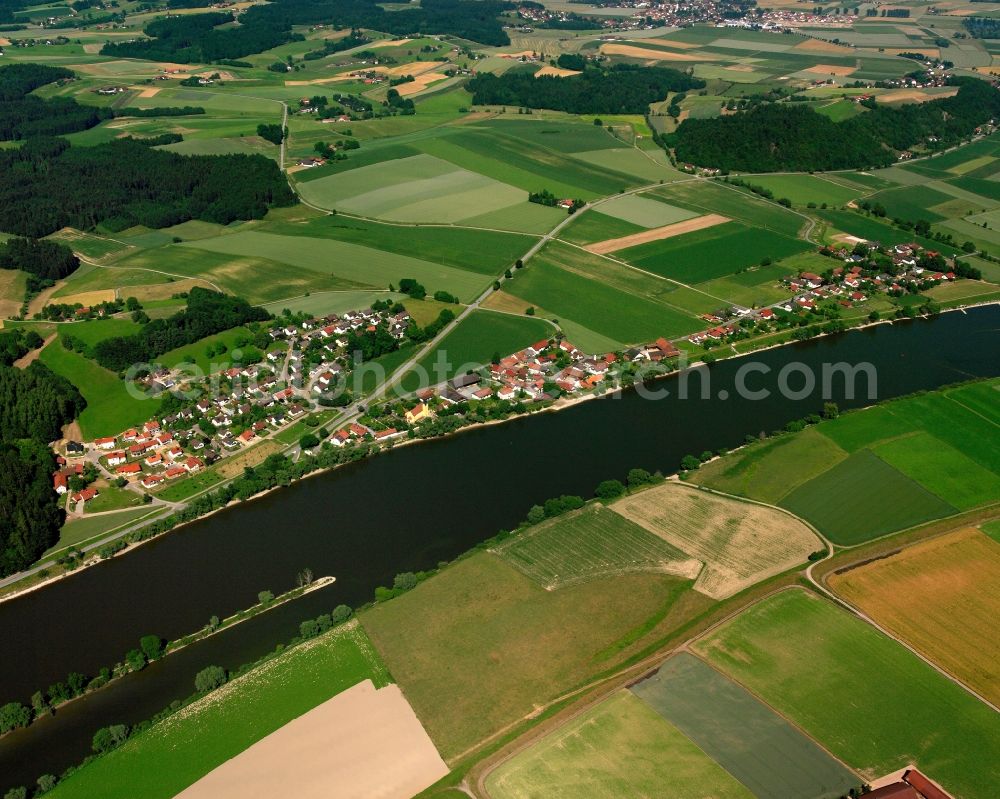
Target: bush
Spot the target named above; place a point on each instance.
(638, 477)
(536, 514)
(308, 441)
(12, 716)
(689, 463)
(265, 597)
(609, 489)
(210, 678)
(108, 738)
(152, 646)
(404, 581)
(341, 613)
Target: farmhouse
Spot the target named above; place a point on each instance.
(84, 496)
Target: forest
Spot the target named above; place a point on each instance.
(46, 260)
(773, 137)
(195, 38)
(122, 183)
(23, 114)
(208, 312)
(476, 20)
(982, 27)
(623, 89)
(34, 405)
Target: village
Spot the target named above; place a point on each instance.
(309, 364)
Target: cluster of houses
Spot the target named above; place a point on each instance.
(240, 404)
(849, 285)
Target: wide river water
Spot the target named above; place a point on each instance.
(404, 510)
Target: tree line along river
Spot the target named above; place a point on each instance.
(407, 510)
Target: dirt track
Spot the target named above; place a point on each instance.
(656, 234)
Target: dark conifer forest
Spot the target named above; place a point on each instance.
(788, 136)
(48, 185)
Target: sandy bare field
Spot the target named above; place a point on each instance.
(831, 69)
(559, 72)
(740, 543)
(930, 52)
(318, 81)
(389, 43)
(675, 45)
(151, 92)
(518, 54)
(87, 298)
(11, 294)
(817, 46)
(645, 52)
(943, 597)
(6, 42)
(362, 744)
(419, 83)
(413, 68)
(657, 233)
(913, 96)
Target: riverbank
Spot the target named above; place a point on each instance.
(121, 669)
(383, 516)
(563, 403)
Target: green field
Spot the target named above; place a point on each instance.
(862, 498)
(196, 353)
(480, 645)
(877, 709)
(110, 408)
(644, 212)
(175, 753)
(77, 531)
(803, 189)
(591, 542)
(323, 303)
(768, 470)
(597, 226)
(594, 305)
(957, 479)
(483, 251)
(111, 498)
(420, 188)
(619, 748)
(748, 739)
(478, 338)
(735, 203)
(360, 265)
(710, 253)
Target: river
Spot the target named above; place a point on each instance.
(403, 510)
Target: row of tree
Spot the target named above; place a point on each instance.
(49, 185)
(23, 114)
(622, 89)
(781, 136)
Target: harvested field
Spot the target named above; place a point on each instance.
(591, 542)
(368, 741)
(619, 748)
(644, 212)
(419, 83)
(831, 69)
(558, 72)
(164, 291)
(387, 43)
(912, 96)
(151, 92)
(943, 598)
(740, 543)
(88, 298)
(12, 284)
(254, 456)
(657, 234)
(752, 742)
(818, 46)
(631, 51)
